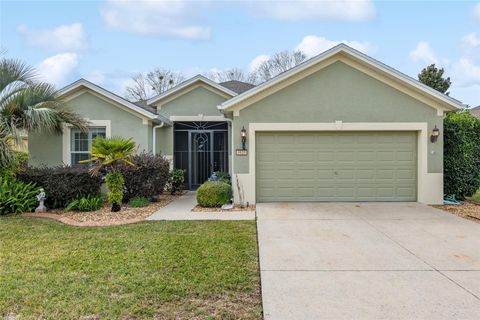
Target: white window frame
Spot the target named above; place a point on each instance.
(66, 138)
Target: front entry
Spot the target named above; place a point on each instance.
(200, 148)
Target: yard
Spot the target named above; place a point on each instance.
(159, 270)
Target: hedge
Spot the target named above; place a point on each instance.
(147, 178)
(214, 194)
(62, 184)
(461, 154)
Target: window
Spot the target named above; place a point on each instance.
(81, 143)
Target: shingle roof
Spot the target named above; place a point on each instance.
(475, 111)
(143, 104)
(237, 86)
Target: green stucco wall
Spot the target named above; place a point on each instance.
(47, 149)
(194, 102)
(339, 93)
(164, 141)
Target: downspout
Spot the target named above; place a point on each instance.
(154, 140)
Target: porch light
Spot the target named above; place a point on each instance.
(243, 134)
(435, 134)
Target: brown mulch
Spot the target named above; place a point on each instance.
(236, 208)
(104, 216)
(468, 210)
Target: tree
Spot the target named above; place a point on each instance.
(152, 83)
(230, 74)
(28, 105)
(109, 154)
(278, 63)
(433, 77)
(461, 154)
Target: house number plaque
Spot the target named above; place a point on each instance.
(241, 152)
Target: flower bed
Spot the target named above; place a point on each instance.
(468, 210)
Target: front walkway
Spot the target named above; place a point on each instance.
(367, 261)
(181, 209)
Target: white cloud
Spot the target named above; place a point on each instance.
(257, 61)
(465, 72)
(337, 10)
(423, 53)
(56, 69)
(66, 37)
(476, 12)
(313, 45)
(164, 18)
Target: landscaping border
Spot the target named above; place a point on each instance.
(69, 221)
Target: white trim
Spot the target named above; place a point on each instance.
(69, 92)
(449, 102)
(428, 189)
(186, 84)
(200, 117)
(66, 156)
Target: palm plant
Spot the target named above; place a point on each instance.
(27, 104)
(109, 154)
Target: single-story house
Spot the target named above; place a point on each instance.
(341, 126)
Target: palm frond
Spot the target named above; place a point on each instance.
(14, 71)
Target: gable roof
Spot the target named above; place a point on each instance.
(475, 111)
(82, 83)
(185, 84)
(237, 86)
(449, 103)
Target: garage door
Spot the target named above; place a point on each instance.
(336, 166)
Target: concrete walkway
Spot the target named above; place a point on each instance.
(367, 261)
(181, 209)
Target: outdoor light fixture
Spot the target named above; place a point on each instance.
(243, 134)
(435, 134)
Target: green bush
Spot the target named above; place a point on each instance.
(19, 162)
(138, 202)
(214, 194)
(87, 203)
(224, 177)
(176, 180)
(147, 178)
(62, 184)
(17, 196)
(461, 154)
(115, 183)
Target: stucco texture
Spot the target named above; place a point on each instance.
(339, 92)
(46, 149)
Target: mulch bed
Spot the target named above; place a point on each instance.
(236, 208)
(468, 210)
(104, 216)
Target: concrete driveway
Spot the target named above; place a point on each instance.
(367, 261)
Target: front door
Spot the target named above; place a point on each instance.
(201, 157)
(200, 148)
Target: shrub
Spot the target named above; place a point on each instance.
(461, 154)
(176, 180)
(20, 161)
(17, 196)
(62, 184)
(115, 183)
(138, 202)
(147, 178)
(87, 203)
(214, 194)
(223, 177)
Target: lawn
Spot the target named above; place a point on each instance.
(150, 270)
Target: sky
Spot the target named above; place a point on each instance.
(107, 42)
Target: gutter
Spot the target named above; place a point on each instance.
(154, 140)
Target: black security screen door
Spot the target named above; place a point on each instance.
(200, 148)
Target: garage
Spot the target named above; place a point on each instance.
(336, 166)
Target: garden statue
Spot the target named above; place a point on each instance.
(41, 198)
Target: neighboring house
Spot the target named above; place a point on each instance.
(475, 111)
(338, 127)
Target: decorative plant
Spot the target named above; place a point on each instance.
(214, 194)
(109, 154)
(17, 196)
(176, 181)
(87, 203)
(138, 202)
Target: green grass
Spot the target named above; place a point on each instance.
(475, 197)
(161, 270)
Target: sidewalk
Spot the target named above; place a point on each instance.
(181, 209)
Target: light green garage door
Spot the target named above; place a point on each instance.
(336, 166)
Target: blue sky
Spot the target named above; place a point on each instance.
(108, 41)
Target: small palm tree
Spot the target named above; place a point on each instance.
(109, 154)
(27, 104)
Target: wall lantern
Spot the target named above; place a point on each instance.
(243, 134)
(435, 134)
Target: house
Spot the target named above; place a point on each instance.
(338, 127)
(475, 111)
